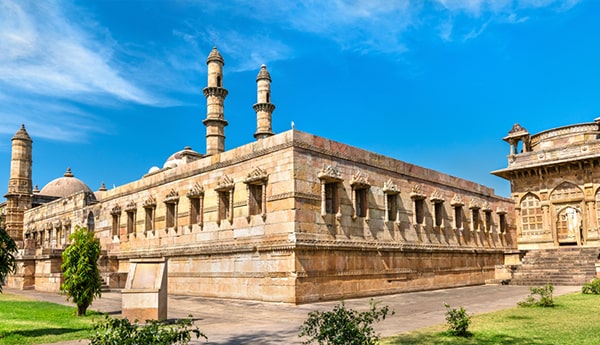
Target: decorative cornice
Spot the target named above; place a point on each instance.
(359, 180)
(257, 176)
(486, 207)
(172, 197)
(196, 191)
(130, 206)
(389, 187)
(225, 184)
(457, 201)
(436, 197)
(474, 204)
(150, 202)
(417, 192)
(115, 210)
(330, 174)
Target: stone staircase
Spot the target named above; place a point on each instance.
(560, 266)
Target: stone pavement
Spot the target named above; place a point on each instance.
(235, 322)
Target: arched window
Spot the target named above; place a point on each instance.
(531, 214)
(90, 221)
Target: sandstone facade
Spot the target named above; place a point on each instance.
(292, 217)
(554, 181)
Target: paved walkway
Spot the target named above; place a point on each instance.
(234, 322)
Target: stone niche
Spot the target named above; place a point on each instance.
(145, 293)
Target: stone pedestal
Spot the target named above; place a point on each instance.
(145, 293)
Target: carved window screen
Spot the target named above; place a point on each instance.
(531, 213)
(419, 205)
(224, 205)
(458, 217)
(255, 199)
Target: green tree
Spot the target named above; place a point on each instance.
(343, 326)
(82, 280)
(8, 249)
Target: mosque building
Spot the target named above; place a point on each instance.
(291, 217)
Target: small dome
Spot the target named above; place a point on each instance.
(263, 73)
(215, 56)
(153, 170)
(65, 186)
(182, 157)
(22, 134)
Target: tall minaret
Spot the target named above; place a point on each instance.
(263, 107)
(215, 97)
(19, 196)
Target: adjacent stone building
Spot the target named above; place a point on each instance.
(291, 217)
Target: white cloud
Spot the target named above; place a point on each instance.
(43, 53)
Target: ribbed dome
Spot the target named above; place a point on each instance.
(65, 186)
(263, 74)
(215, 56)
(22, 134)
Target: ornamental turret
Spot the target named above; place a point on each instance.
(20, 194)
(263, 107)
(215, 98)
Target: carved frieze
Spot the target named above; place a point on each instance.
(149, 202)
(225, 183)
(116, 210)
(457, 201)
(436, 197)
(389, 187)
(417, 192)
(130, 206)
(359, 180)
(257, 176)
(196, 191)
(474, 204)
(172, 197)
(330, 174)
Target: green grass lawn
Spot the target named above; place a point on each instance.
(574, 320)
(26, 321)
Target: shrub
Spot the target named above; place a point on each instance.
(458, 321)
(111, 331)
(8, 250)
(343, 326)
(545, 297)
(592, 288)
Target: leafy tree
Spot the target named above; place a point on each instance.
(120, 331)
(82, 280)
(8, 249)
(343, 326)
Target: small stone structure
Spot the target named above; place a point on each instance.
(145, 293)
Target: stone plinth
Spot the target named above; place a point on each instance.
(145, 293)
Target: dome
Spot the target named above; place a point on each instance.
(64, 186)
(182, 157)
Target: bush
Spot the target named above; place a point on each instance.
(545, 299)
(112, 331)
(458, 321)
(592, 288)
(343, 326)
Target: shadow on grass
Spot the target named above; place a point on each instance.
(41, 332)
(479, 339)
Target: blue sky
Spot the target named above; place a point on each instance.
(112, 88)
